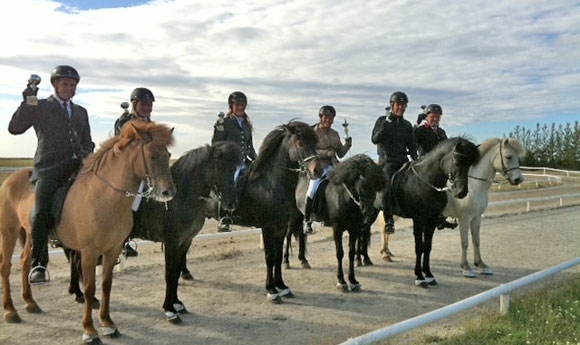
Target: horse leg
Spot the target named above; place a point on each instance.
(464, 234)
(287, 247)
(269, 248)
(185, 274)
(278, 279)
(353, 236)
(302, 250)
(89, 263)
(339, 256)
(358, 253)
(365, 237)
(428, 244)
(387, 255)
(108, 327)
(76, 274)
(475, 226)
(174, 254)
(419, 245)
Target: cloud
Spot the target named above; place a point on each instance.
(489, 65)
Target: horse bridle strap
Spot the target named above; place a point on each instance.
(504, 169)
(412, 167)
(357, 202)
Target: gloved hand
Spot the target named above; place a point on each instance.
(420, 118)
(348, 140)
(331, 153)
(29, 92)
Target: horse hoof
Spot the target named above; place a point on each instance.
(431, 281)
(421, 283)
(92, 339)
(286, 293)
(387, 258)
(368, 262)
(187, 276)
(173, 318)
(343, 287)
(33, 308)
(468, 274)
(486, 271)
(355, 287)
(180, 308)
(287, 265)
(274, 298)
(358, 263)
(306, 265)
(12, 317)
(110, 332)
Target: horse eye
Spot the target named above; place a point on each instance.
(508, 157)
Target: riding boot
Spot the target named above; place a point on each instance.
(442, 223)
(39, 273)
(307, 224)
(128, 249)
(388, 214)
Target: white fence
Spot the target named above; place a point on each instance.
(436, 315)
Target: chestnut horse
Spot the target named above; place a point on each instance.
(96, 217)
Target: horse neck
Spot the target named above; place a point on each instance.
(431, 169)
(118, 171)
(486, 167)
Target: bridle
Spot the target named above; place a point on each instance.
(303, 162)
(148, 193)
(450, 177)
(504, 169)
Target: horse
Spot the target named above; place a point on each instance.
(497, 155)
(418, 192)
(266, 195)
(96, 216)
(345, 201)
(197, 173)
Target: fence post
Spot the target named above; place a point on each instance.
(504, 304)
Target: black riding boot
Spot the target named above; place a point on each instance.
(39, 273)
(307, 224)
(388, 214)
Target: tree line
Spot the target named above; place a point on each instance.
(555, 146)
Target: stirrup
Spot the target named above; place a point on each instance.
(38, 269)
(224, 224)
(307, 227)
(130, 249)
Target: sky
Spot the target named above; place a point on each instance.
(491, 65)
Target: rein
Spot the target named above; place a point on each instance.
(427, 182)
(504, 169)
(146, 194)
(357, 202)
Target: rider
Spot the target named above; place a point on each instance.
(395, 141)
(428, 136)
(64, 139)
(328, 148)
(235, 126)
(141, 107)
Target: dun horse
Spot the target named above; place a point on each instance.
(418, 191)
(345, 201)
(267, 195)
(497, 155)
(96, 217)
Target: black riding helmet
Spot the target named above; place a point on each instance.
(399, 97)
(237, 97)
(64, 71)
(434, 108)
(327, 110)
(142, 94)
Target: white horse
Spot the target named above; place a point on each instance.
(497, 155)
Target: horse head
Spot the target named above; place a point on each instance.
(150, 141)
(510, 152)
(456, 165)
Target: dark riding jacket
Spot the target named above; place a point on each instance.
(228, 129)
(395, 139)
(428, 137)
(60, 139)
(124, 118)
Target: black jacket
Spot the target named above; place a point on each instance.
(227, 128)
(60, 139)
(395, 139)
(428, 138)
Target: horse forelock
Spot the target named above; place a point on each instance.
(514, 144)
(518, 147)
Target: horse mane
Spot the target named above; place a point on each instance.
(349, 170)
(515, 144)
(272, 142)
(223, 150)
(466, 147)
(148, 132)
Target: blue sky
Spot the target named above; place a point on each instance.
(490, 65)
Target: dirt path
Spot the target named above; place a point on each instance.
(227, 300)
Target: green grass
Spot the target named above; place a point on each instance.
(548, 316)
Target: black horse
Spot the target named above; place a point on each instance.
(345, 201)
(418, 192)
(266, 199)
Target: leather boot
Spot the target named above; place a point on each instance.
(307, 224)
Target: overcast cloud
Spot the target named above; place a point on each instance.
(491, 65)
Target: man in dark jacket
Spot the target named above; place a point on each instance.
(64, 139)
(395, 142)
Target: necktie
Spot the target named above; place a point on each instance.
(65, 107)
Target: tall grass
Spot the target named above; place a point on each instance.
(548, 316)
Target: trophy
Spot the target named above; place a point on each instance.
(125, 106)
(221, 114)
(345, 126)
(33, 82)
